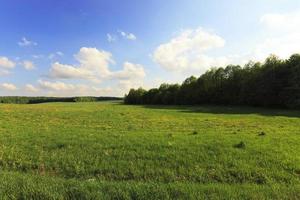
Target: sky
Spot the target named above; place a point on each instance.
(106, 47)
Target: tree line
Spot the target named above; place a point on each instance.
(273, 83)
(36, 100)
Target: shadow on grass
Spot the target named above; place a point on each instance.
(234, 110)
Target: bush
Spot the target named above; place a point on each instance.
(240, 145)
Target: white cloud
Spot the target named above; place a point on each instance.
(37, 56)
(131, 76)
(68, 72)
(130, 71)
(188, 51)
(111, 38)
(129, 36)
(8, 86)
(282, 30)
(60, 53)
(282, 22)
(28, 65)
(59, 88)
(25, 42)
(95, 60)
(125, 85)
(5, 66)
(55, 55)
(6, 63)
(31, 88)
(93, 65)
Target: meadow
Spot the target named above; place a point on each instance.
(107, 150)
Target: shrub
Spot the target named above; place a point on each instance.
(240, 145)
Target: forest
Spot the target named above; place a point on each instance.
(35, 100)
(273, 83)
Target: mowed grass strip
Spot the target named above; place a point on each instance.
(61, 149)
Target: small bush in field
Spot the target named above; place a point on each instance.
(240, 145)
(262, 134)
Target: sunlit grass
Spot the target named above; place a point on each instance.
(110, 150)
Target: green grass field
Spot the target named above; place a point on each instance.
(114, 151)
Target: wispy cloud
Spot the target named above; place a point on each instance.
(120, 34)
(111, 38)
(128, 36)
(25, 42)
(56, 54)
(37, 56)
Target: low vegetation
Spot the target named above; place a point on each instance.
(275, 83)
(106, 150)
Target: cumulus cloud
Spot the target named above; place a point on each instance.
(125, 85)
(95, 60)
(188, 51)
(283, 30)
(128, 36)
(69, 72)
(279, 21)
(31, 88)
(58, 88)
(8, 86)
(130, 71)
(28, 65)
(6, 63)
(131, 76)
(94, 66)
(25, 42)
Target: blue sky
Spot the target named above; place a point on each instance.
(102, 47)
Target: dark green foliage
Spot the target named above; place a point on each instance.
(275, 83)
(135, 96)
(262, 134)
(240, 145)
(35, 100)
